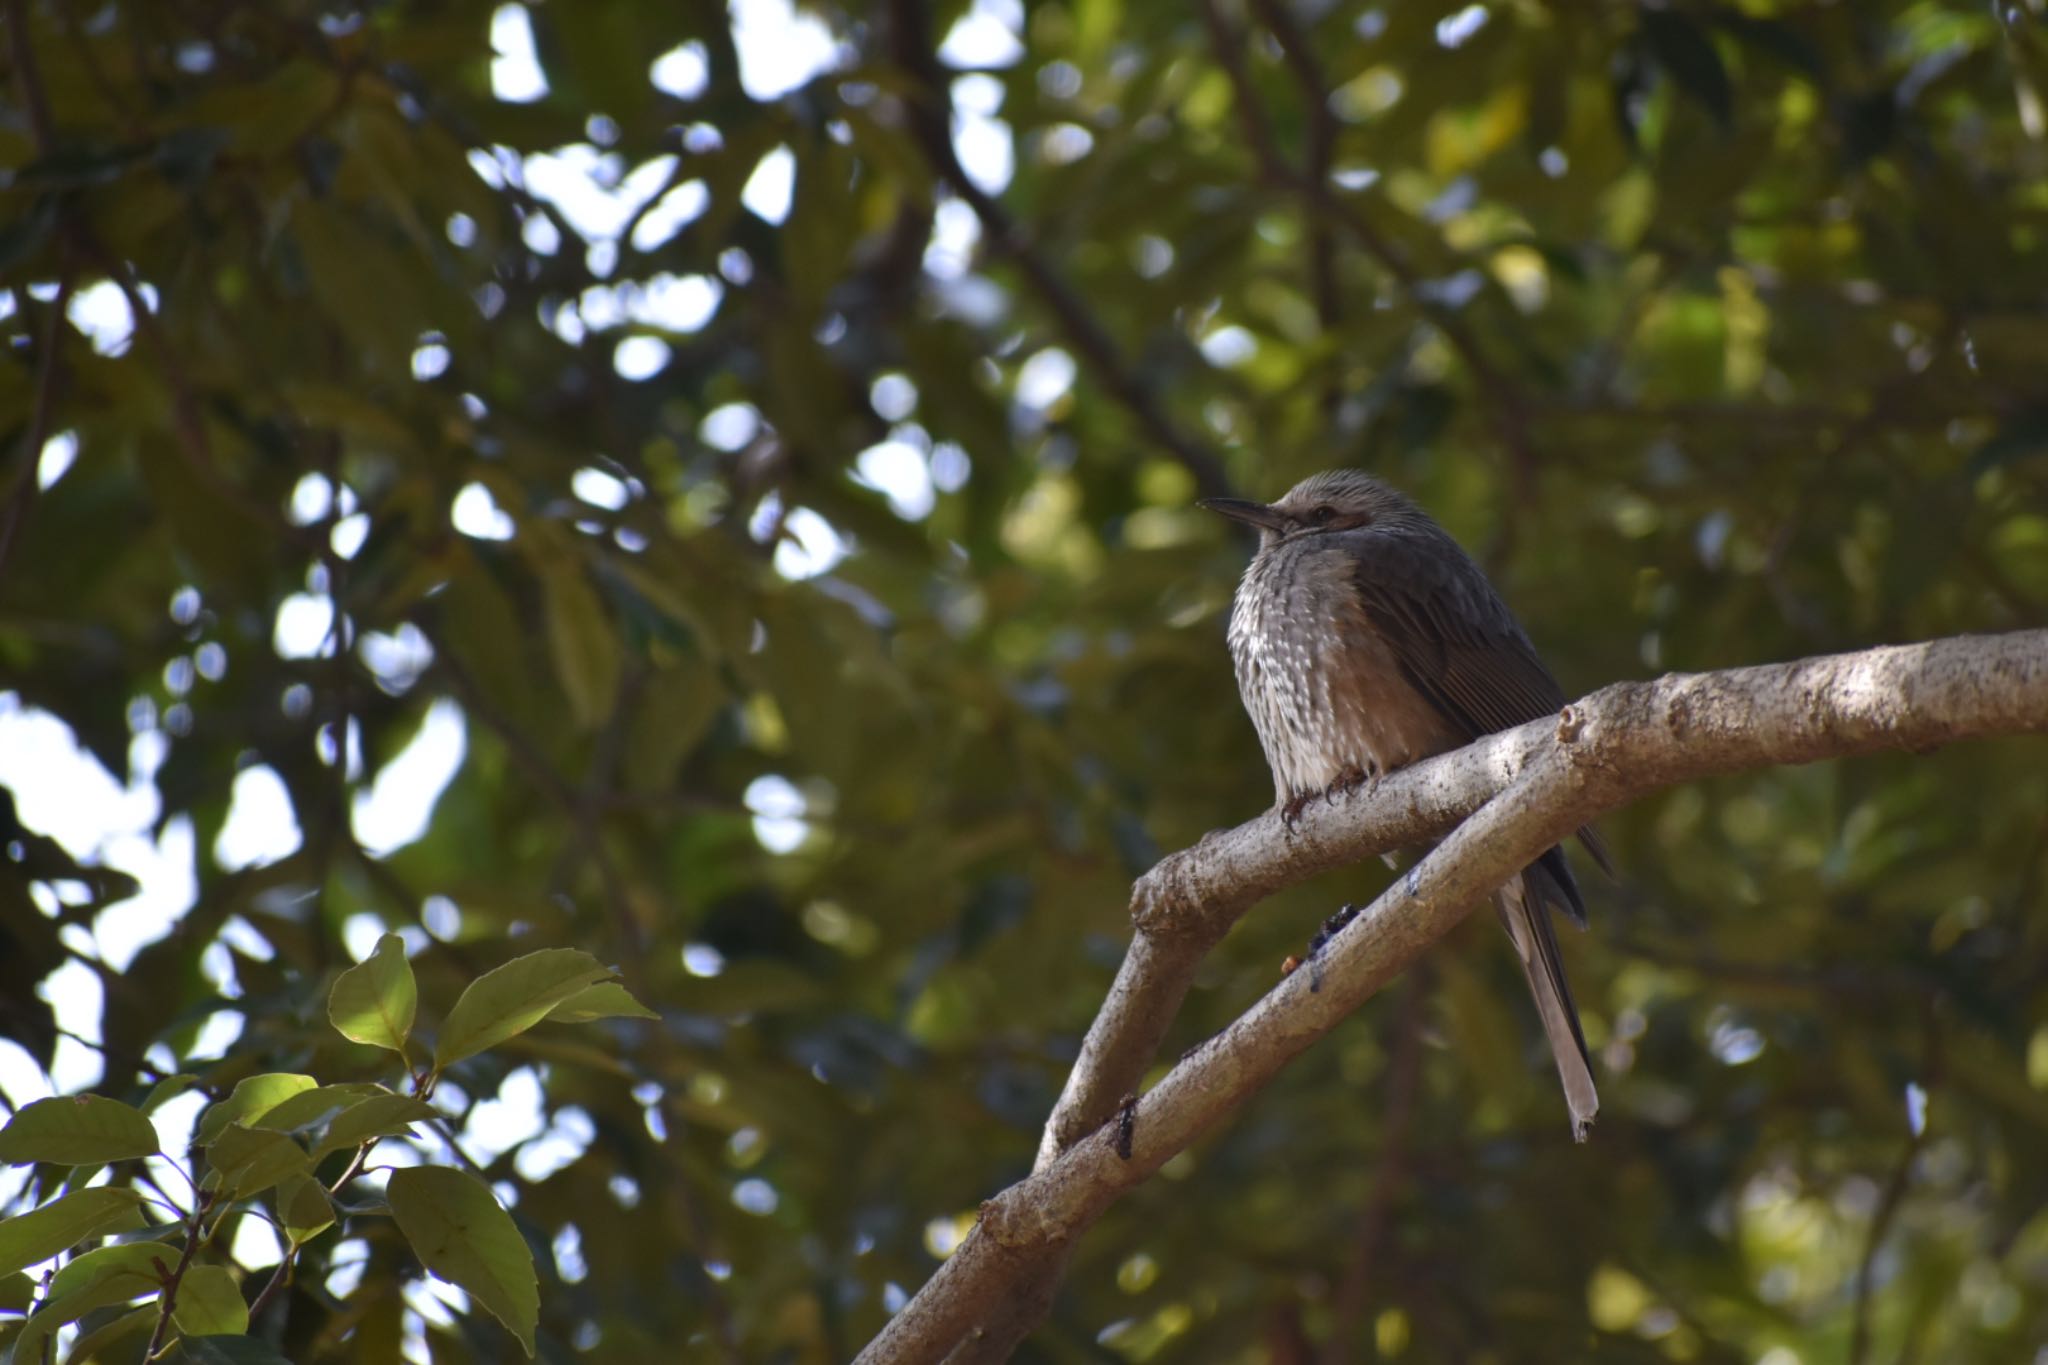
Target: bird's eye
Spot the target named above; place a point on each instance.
(1323, 516)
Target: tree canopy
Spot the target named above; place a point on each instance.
(710, 492)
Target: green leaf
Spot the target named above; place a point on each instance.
(606, 1000)
(458, 1231)
(379, 1116)
(250, 1160)
(310, 1108)
(513, 998)
(169, 1088)
(63, 1223)
(581, 640)
(304, 1209)
(91, 1345)
(98, 1279)
(17, 1292)
(149, 1261)
(209, 1303)
(373, 1002)
(224, 1350)
(252, 1099)
(77, 1130)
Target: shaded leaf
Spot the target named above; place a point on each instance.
(581, 641)
(387, 1115)
(97, 1279)
(460, 1233)
(224, 1350)
(249, 1161)
(64, 1222)
(304, 1209)
(209, 1303)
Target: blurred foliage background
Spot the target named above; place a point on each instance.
(754, 450)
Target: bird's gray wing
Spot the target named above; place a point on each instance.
(1459, 646)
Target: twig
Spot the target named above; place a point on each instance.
(1888, 1205)
(1498, 395)
(1299, 54)
(50, 364)
(176, 1277)
(930, 112)
(279, 1278)
(33, 97)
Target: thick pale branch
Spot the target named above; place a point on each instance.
(1530, 788)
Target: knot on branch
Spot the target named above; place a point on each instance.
(1569, 723)
(1015, 1221)
(1163, 899)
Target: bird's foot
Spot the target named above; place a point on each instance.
(1332, 927)
(1350, 780)
(1291, 812)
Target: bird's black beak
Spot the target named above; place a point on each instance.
(1250, 513)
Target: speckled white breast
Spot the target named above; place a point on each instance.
(1323, 690)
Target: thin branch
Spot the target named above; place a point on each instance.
(1498, 395)
(33, 97)
(50, 362)
(175, 1277)
(930, 112)
(1531, 787)
(1299, 53)
(1888, 1205)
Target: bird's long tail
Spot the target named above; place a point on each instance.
(1525, 913)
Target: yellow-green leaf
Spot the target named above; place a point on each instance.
(209, 1303)
(251, 1100)
(373, 1002)
(77, 1130)
(513, 998)
(458, 1231)
(63, 1223)
(606, 1000)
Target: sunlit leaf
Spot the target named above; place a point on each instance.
(373, 1002)
(77, 1130)
(606, 1000)
(510, 999)
(251, 1099)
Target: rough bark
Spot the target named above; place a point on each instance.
(1496, 804)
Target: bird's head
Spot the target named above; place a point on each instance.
(1335, 500)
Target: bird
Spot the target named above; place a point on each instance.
(1366, 639)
